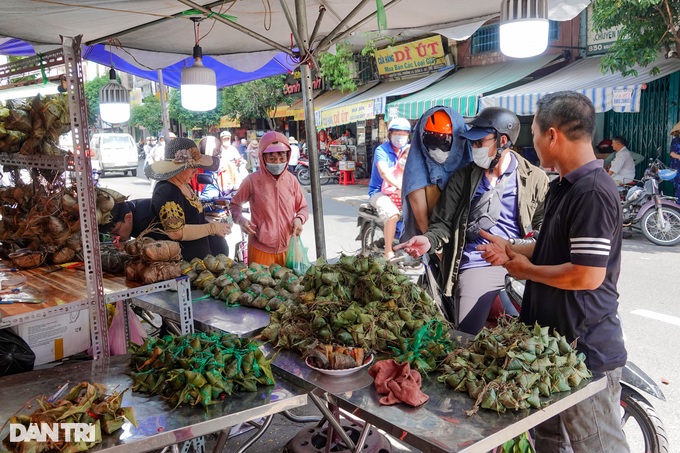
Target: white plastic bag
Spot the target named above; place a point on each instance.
(117, 343)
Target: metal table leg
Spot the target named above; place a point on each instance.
(301, 418)
(261, 429)
(332, 421)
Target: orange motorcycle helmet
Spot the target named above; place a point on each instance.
(438, 133)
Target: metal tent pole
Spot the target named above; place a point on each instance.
(310, 127)
(164, 107)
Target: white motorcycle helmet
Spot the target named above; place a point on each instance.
(634, 193)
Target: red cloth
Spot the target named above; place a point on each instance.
(398, 382)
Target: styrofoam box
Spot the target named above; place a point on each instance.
(57, 337)
(346, 165)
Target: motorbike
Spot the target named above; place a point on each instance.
(329, 170)
(639, 419)
(372, 237)
(647, 210)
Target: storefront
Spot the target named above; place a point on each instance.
(462, 90)
(403, 69)
(615, 97)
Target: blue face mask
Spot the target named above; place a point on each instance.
(276, 169)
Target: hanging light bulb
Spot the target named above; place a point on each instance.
(524, 27)
(114, 101)
(198, 84)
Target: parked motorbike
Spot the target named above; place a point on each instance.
(639, 419)
(372, 236)
(646, 209)
(329, 170)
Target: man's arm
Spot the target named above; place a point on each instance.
(495, 251)
(567, 276)
(387, 173)
(418, 202)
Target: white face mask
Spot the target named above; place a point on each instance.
(276, 169)
(438, 155)
(399, 141)
(481, 157)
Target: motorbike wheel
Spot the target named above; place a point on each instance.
(652, 231)
(325, 176)
(303, 176)
(641, 424)
(371, 234)
(360, 173)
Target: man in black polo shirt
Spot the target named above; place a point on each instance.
(572, 270)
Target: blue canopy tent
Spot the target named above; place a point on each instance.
(229, 69)
(226, 74)
(15, 47)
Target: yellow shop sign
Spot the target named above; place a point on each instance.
(411, 56)
(360, 111)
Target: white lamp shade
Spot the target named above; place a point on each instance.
(114, 101)
(524, 27)
(524, 38)
(198, 87)
(114, 112)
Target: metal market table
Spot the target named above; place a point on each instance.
(159, 424)
(440, 425)
(209, 314)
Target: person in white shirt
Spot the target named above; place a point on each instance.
(294, 154)
(622, 169)
(232, 162)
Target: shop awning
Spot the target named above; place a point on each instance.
(282, 111)
(325, 99)
(462, 90)
(607, 91)
(372, 102)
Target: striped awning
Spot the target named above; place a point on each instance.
(606, 91)
(462, 89)
(372, 102)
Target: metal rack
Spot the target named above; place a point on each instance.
(95, 299)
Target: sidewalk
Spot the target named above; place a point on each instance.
(354, 195)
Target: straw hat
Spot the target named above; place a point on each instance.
(292, 140)
(676, 129)
(180, 154)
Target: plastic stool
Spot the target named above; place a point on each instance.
(346, 177)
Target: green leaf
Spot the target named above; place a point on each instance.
(191, 119)
(647, 27)
(335, 69)
(256, 99)
(147, 115)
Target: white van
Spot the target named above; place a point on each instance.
(114, 152)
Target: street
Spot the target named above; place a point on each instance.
(648, 290)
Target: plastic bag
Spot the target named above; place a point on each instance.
(117, 343)
(16, 356)
(296, 256)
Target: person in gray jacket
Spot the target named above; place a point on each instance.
(499, 192)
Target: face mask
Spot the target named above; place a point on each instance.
(438, 155)
(276, 169)
(399, 141)
(481, 157)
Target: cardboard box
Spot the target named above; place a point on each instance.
(57, 337)
(346, 165)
